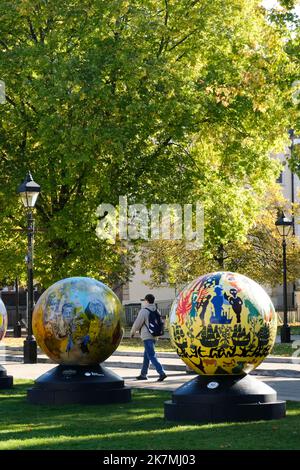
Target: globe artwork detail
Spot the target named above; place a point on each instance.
(78, 321)
(223, 323)
(3, 320)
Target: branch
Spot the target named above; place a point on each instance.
(144, 163)
(194, 2)
(167, 12)
(4, 156)
(42, 35)
(180, 56)
(163, 41)
(23, 143)
(4, 44)
(242, 131)
(42, 209)
(78, 185)
(161, 46)
(44, 31)
(32, 32)
(165, 143)
(183, 39)
(11, 101)
(31, 106)
(65, 194)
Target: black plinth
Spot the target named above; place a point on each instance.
(224, 399)
(6, 381)
(91, 385)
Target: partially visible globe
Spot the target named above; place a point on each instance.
(3, 320)
(78, 321)
(223, 323)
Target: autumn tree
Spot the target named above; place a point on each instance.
(162, 101)
(258, 256)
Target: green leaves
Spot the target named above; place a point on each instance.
(169, 101)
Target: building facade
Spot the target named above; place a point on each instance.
(290, 185)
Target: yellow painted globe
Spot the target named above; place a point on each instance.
(78, 321)
(3, 320)
(223, 323)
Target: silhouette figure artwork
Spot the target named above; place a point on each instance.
(203, 307)
(193, 311)
(218, 301)
(236, 303)
(253, 311)
(223, 323)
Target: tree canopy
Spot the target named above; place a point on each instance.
(161, 101)
(259, 256)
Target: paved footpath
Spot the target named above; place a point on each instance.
(283, 377)
(272, 365)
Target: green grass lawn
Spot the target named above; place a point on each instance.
(136, 344)
(295, 329)
(282, 349)
(136, 425)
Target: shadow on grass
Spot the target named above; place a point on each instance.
(136, 425)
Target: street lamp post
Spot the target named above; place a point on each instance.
(18, 317)
(284, 226)
(292, 146)
(29, 191)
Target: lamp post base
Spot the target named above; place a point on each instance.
(18, 330)
(6, 381)
(285, 334)
(30, 351)
(67, 384)
(218, 399)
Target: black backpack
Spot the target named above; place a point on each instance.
(156, 326)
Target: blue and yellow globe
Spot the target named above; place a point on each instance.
(78, 321)
(3, 320)
(223, 323)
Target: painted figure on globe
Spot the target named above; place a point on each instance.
(3, 320)
(78, 321)
(223, 323)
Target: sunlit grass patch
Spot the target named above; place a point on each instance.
(136, 425)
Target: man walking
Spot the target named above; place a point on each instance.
(141, 324)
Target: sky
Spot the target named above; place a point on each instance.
(273, 3)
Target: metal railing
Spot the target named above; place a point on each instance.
(132, 310)
(293, 315)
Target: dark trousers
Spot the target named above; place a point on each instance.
(150, 356)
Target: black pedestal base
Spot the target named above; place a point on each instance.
(224, 399)
(6, 381)
(91, 385)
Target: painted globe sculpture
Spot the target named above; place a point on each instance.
(3, 320)
(223, 323)
(78, 321)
